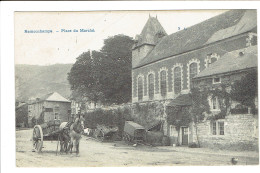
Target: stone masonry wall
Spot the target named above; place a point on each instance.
(240, 133)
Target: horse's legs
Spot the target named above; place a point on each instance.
(61, 139)
(77, 146)
(61, 146)
(71, 145)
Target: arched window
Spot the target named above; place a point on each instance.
(151, 86)
(177, 80)
(211, 58)
(140, 89)
(163, 83)
(193, 71)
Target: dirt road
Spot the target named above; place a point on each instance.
(97, 154)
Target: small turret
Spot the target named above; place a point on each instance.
(151, 34)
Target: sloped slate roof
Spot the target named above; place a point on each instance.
(54, 97)
(231, 62)
(223, 26)
(181, 100)
(151, 28)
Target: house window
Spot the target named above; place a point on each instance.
(193, 70)
(214, 103)
(218, 128)
(163, 83)
(221, 128)
(177, 80)
(216, 80)
(172, 130)
(151, 86)
(56, 112)
(140, 89)
(214, 128)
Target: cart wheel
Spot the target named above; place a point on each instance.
(101, 136)
(126, 137)
(37, 138)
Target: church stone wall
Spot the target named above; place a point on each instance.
(197, 55)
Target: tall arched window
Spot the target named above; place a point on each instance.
(177, 80)
(151, 86)
(163, 83)
(193, 71)
(140, 89)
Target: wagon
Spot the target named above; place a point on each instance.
(133, 132)
(45, 132)
(104, 132)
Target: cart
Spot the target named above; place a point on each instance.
(45, 132)
(104, 132)
(133, 132)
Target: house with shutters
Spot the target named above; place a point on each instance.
(164, 66)
(49, 107)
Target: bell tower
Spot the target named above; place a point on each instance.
(145, 42)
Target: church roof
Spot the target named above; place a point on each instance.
(228, 24)
(232, 61)
(151, 28)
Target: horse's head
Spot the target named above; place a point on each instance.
(80, 124)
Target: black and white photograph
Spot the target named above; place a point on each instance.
(136, 88)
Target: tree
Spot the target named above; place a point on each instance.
(245, 90)
(117, 66)
(84, 77)
(106, 75)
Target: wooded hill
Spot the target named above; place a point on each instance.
(36, 81)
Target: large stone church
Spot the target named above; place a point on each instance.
(164, 66)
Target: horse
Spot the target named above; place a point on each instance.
(71, 134)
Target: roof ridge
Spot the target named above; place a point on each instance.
(194, 37)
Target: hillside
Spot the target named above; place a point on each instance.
(35, 81)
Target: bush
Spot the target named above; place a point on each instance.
(154, 138)
(112, 117)
(193, 145)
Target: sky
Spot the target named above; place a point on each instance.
(64, 47)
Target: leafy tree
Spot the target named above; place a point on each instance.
(117, 65)
(84, 77)
(106, 75)
(21, 115)
(245, 90)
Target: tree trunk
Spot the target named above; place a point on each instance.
(196, 127)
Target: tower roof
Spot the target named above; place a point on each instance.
(151, 28)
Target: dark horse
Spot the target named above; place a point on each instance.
(71, 134)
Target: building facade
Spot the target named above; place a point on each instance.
(163, 66)
(49, 107)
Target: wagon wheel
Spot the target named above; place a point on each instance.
(37, 138)
(101, 136)
(126, 137)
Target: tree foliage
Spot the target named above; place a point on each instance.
(106, 75)
(117, 65)
(245, 90)
(84, 76)
(21, 115)
(179, 116)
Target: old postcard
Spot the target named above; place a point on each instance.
(136, 88)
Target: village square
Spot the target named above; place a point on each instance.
(183, 98)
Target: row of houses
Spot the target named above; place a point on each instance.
(213, 53)
(49, 107)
